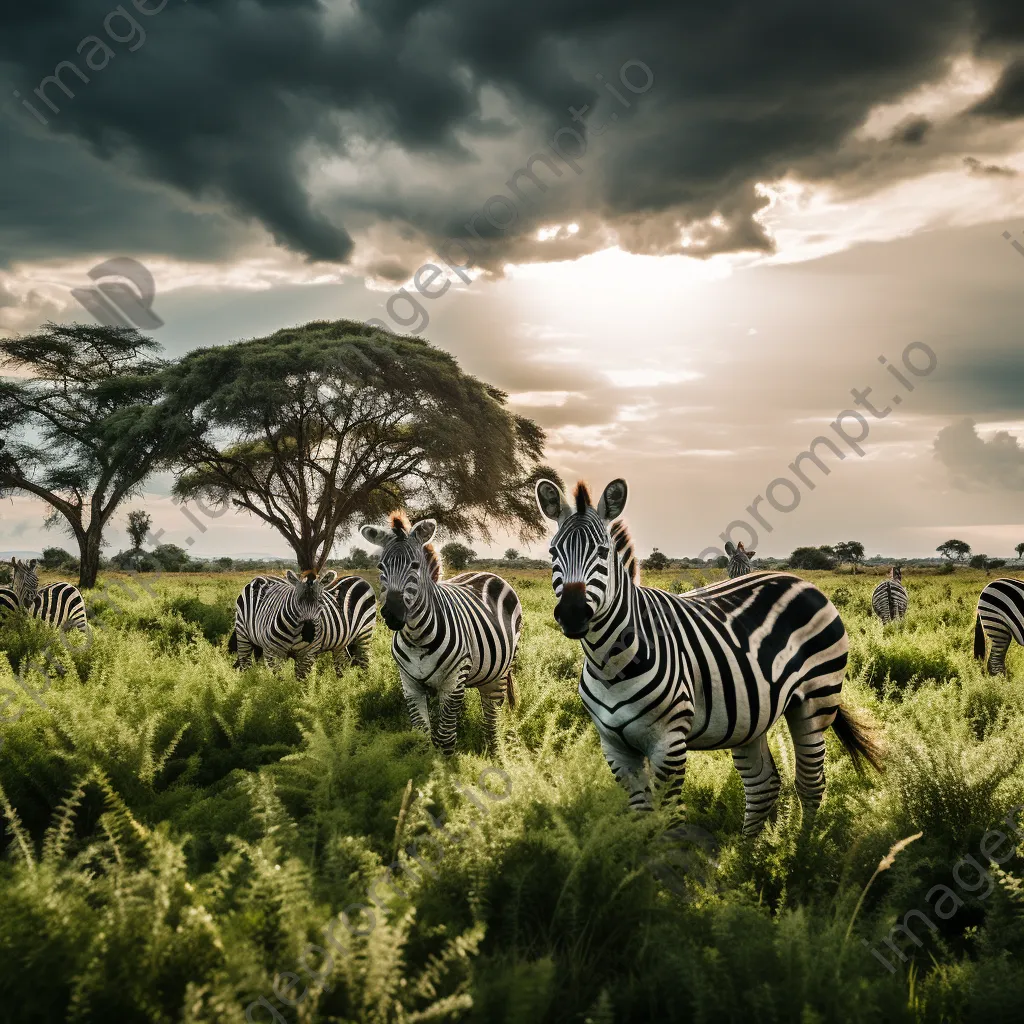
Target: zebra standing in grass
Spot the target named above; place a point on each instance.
(449, 634)
(710, 669)
(349, 616)
(739, 559)
(1000, 616)
(60, 604)
(889, 598)
(280, 618)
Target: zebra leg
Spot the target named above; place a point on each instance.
(359, 654)
(492, 697)
(999, 636)
(761, 782)
(304, 662)
(243, 651)
(668, 763)
(341, 661)
(808, 735)
(416, 701)
(451, 699)
(628, 768)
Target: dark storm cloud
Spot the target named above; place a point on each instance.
(242, 101)
(973, 462)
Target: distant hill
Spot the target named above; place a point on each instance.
(6, 556)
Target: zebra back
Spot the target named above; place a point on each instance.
(349, 616)
(1000, 619)
(889, 600)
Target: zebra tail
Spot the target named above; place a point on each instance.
(979, 639)
(859, 737)
(233, 642)
(510, 691)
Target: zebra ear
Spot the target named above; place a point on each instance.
(290, 576)
(613, 501)
(424, 530)
(750, 554)
(730, 548)
(375, 535)
(328, 577)
(33, 563)
(551, 501)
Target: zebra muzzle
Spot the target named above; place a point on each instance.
(572, 612)
(393, 612)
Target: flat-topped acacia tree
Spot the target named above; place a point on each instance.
(317, 428)
(84, 424)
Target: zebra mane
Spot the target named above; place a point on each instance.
(433, 563)
(624, 549)
(582, 496)
(399, 523)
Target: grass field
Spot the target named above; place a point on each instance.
(177, 834)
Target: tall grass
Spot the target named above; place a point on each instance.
(176, 834)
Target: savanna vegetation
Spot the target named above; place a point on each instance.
(176, 835)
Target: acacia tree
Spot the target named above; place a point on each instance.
(84, 424)
(954, 549)
(138, 525)
(851, 551)
(318, 426)
(1020, 551)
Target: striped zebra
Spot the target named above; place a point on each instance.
(279, 618)
(889, 598)
(710, 669)
(1000, 617)
(739, 559)
(449, 634)
(61, 604)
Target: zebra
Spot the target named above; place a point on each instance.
(278, 618)
(1000, 617)
(889, 598)
(710, 669)
(349, 618)
(60, 604)
(739, 559)
(449, 634)
(349, 615)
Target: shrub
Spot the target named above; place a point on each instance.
(457, 556)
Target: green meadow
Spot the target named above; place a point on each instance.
(179, 838)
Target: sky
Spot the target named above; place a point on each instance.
(679, 236)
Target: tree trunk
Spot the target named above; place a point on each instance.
(89, 548)
(306, 554)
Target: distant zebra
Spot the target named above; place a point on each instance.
(739, 559)
(889, 598)
(279, 618)
(449, 634)
(1000, 617)
(710, 669)
(60, 604)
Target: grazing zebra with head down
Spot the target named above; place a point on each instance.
(449, 634)
(60, 604)
(280, 618)
(739, 559)
(889, 598)
(1000, 616)
(710, 669)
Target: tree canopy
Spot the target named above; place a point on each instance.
(851, 551)
(823, 557)
(84, 424)
(954, 549)
(317, 427)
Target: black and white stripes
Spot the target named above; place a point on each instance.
(449, 634)
(889, 598)
(60, 604)
(739, 559)
(1000, 618)
(279, 618)
(710, 669)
